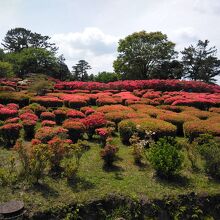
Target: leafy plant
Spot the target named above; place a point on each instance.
(165, 157)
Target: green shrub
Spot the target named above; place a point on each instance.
(159, 127)
(210, 151)
(71, 162)
(126, 129)
(165, 157)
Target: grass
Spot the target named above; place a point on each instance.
(93, 181)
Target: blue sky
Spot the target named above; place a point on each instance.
(90, 30)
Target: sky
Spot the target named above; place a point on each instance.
(91, 29)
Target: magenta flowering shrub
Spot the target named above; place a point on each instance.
(47, 116)
(6, 113)
(131, 85)
(28, 116)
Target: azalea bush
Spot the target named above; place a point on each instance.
(6, 112)
(10, 133)
(47, 116)
(29, 128)
(94, 121)
(75, 129)
(28, 116)
(109, 153)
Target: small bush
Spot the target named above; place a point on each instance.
(47, 116)
(74, 114)
(126, 129)
(75, 129)
(108, 154)
(6, 113)
(10, 133)
(210, 151)
(60, 115)
(48, 123)
(28, 116)
(165, 157)
(29, 128)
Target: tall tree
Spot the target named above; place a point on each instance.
(141, 52)
(80, 71)
(168, 70)
(200, 62)
(32, 60)
(17, 39)
(107, 77)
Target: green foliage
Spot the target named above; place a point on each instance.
(201, 62)
(71, 162)
(106, 77)
(141, 52)
(126, 129)
(80, 71)
(18, 39)
(40, 84)
(165, 157)
(6, 69)
(210, 151)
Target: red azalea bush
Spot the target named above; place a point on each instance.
(12, 120)
(203, 115)
(130, 85)
(45, 134)
(106, 100)
(10, 133)
(14, 97)
(94, 121)
(12, 106)
(47, 101)
(6, 113)
(48, 123)
(28, 116)
(58, 148)
(74, 114)
(75, 129)
(103, 133)
(36, 108)
(29, 128)
(47, 116)
(60, 115)
(111, 108)
(152, 94)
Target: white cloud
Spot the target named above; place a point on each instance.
(91, 44)
(207, 6)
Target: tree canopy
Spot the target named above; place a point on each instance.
(200, 62)
(141, 52)
(80, 71)
(18, 39)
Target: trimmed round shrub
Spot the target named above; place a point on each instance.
(193, 129)
(113, 108)
(28, 116)
(106, 100)
(10, 133)
(12, 106)
(47, 116)
(14, 97)
(203, 115)
(47, 101)
(45, 134)
(29, 128)
(140, 125)
(60, 115)
(75, 129)
(48, 123)
(94, 121)
(165, 157)
(12, 120)
(126, 129)
(37, 108)
(177, 119)
(216, 110)
(6, 113)
(77, 103)
(74, 114)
